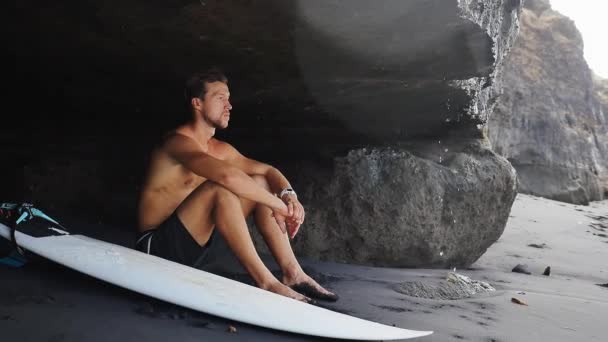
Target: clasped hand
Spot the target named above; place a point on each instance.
(290, 220)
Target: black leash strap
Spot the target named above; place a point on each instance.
(13, 227)
(14, 242)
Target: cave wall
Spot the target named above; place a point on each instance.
(312, 83)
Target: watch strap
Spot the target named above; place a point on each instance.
(288, 191)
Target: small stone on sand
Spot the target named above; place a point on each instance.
(520, 268)
(547, 271)
(518, 301)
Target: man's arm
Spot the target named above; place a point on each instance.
(188, 152)
(276, 180)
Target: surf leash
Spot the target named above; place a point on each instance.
(16, 257)
(25, 215)
(30, 221)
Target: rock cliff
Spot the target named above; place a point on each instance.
(600, 86)
(549, 123)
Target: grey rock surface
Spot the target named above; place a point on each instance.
(600, 90)
(404, 70)
(392, 208)
(549, 122)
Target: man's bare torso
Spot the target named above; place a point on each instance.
(167, 185)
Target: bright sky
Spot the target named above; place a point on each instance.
(590, 19)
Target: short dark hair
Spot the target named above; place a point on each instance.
(196, 84)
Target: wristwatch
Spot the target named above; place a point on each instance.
(287, 191)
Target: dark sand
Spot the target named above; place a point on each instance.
(44, 301)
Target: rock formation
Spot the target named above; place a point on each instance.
(374, 111)
(390, 207)
(549, 123)
(600, 89)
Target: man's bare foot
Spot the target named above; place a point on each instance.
(286, 291)
(305, 285)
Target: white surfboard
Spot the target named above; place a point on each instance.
(196, 289)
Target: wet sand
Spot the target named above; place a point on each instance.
(44, 301)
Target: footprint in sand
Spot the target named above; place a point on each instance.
(199, 324)
(35, 299)
(163, 310)
(536, 245)
(393, 308)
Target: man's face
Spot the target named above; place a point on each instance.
(216, 105)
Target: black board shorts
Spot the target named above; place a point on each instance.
(171, 240)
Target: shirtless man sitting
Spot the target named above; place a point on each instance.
(197, 185)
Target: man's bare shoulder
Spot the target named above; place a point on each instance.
(176, 147)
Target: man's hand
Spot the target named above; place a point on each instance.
(281, 216)
(295, 216)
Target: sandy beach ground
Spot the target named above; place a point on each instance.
(44, 301)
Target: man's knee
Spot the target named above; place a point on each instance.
(217, 190)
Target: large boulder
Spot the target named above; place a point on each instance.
(390, 207)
